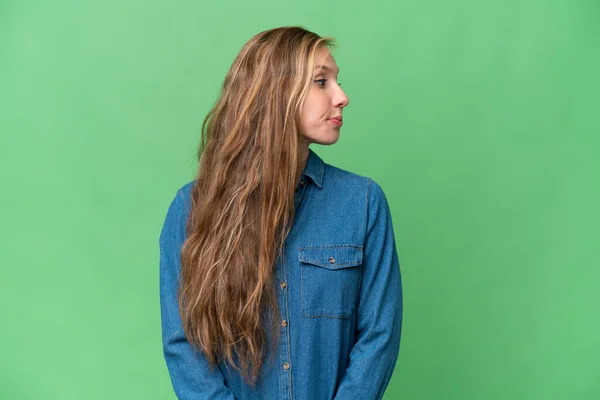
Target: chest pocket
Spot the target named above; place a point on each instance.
(329, 279)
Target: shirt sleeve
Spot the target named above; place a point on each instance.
(379, 313)
(189, 370)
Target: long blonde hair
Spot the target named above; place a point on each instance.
(242, 203)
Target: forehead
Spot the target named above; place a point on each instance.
(325, 61)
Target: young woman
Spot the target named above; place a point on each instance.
(279, 277)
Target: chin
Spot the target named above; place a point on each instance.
(323, 138)
(327, 140)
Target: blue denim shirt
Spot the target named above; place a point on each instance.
(339, 293)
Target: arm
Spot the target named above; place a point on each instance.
(189, 370)
(379, 312)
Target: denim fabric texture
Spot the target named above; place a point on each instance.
(339, 293)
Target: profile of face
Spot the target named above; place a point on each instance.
(321, 114)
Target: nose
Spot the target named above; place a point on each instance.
(339, 98)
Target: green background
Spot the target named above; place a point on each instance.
(478, 118)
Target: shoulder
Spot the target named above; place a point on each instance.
(337, 176)
(351, 181)
(186, 189)
(333, 178)
(184, 194)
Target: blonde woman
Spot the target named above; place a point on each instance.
(279, 276)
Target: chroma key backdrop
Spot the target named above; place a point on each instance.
(479, 119)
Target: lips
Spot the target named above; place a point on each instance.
(337, 121)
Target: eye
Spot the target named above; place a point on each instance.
(321, 82)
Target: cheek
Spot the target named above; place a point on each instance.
(320, 109)
(310, 115)
(315, 109)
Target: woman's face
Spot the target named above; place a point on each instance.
(321, 115)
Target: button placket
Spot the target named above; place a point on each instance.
(285, 378)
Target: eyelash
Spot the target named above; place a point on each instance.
(325, 80)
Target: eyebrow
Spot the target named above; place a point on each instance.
(325, 67)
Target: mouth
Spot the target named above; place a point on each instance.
(337, 121)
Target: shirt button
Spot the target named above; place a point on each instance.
(286, 366)
(284, 323)
(283, 285)
(331, 260)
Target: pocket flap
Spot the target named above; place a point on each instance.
(331, 256)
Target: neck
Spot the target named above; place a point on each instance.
(302, 160)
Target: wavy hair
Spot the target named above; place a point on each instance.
(242, 202)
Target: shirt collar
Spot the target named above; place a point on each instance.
(313, 169)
